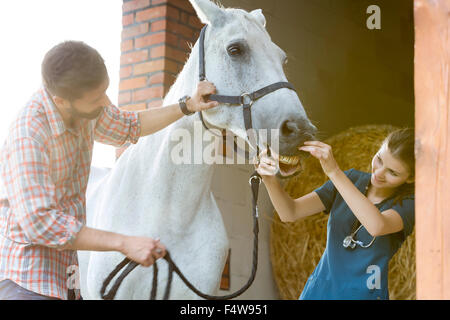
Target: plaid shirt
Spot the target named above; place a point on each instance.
(44, 171)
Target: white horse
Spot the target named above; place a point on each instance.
(146, 194)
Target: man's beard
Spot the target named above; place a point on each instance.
(83, 115)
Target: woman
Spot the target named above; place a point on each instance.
(371, 214)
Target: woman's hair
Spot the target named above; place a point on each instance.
(71, 68)
(401, 145)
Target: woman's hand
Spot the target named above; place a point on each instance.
(324, 154)
(266, 166)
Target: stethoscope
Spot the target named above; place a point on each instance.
(351, 243)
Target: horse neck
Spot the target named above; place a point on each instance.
(186, 81)
(198, 175)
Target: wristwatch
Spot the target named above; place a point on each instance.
(183, 106)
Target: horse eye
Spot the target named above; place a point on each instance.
(234, 50)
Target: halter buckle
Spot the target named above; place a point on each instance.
(247, 96)
(254, 178)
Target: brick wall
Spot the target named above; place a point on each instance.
(156, 36)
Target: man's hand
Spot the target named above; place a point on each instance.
(143, 250)
(199, 100)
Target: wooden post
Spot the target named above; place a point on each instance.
(432, 53)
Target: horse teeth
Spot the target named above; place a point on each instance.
(290, 160)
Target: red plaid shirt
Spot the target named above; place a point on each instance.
(44, 171)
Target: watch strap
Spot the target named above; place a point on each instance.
(183, 106)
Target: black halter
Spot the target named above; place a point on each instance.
(245, 100)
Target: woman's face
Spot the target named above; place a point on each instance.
(388, 171)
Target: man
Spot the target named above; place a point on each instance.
(44, 171)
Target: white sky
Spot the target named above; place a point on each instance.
(29, 28)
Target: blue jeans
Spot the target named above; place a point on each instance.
(9, 290)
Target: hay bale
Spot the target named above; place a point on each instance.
(297, 247)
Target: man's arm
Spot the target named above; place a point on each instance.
(156, 119)
(31, 195)
(116, 127)
(143, 250)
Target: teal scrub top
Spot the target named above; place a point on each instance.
(359, 273)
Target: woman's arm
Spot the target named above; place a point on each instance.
(375, 222)
(288, 209)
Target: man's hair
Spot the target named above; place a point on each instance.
(71, 68)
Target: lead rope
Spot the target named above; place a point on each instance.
(129, 265)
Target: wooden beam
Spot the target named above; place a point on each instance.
(432, 57)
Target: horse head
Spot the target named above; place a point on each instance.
(240, 57)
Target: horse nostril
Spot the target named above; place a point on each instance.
(313, 130)
(288, 128)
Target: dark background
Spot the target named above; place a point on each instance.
(345, 74)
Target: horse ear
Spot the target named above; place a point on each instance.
(259, 16)
(208, 12)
